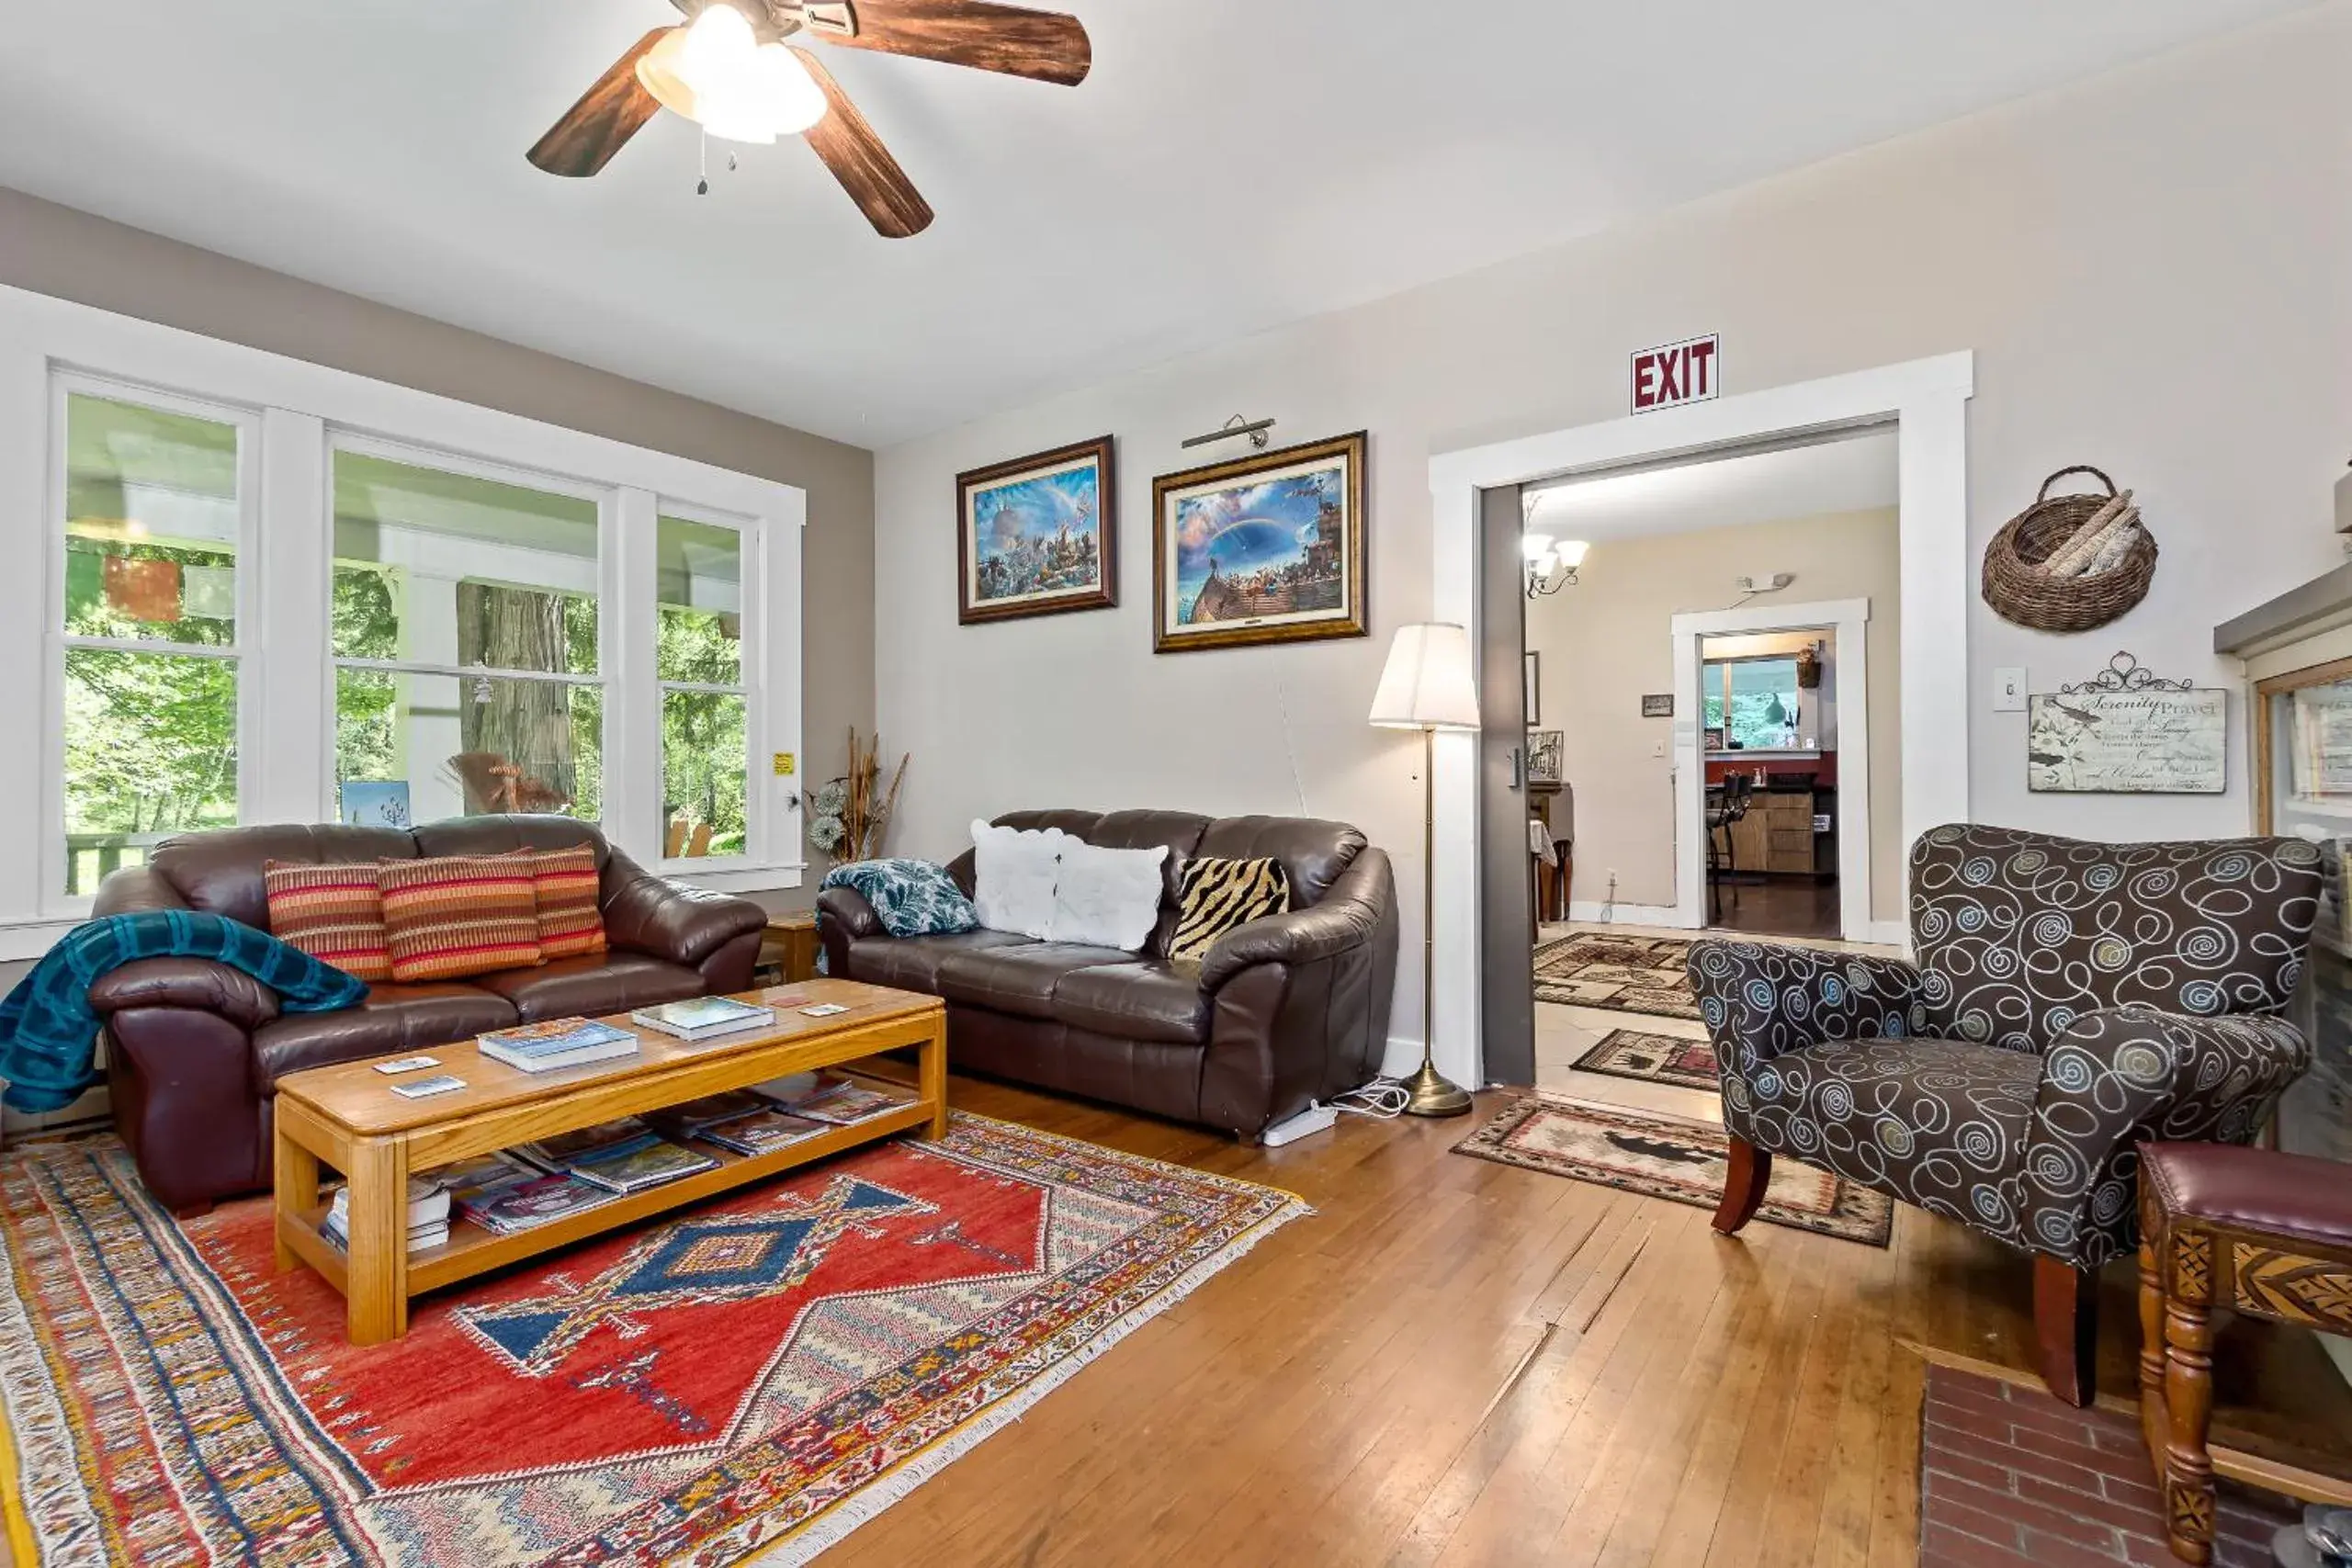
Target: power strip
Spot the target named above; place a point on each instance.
(1315, 1118)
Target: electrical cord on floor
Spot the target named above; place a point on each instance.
(1381, 1099)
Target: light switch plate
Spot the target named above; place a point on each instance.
(2009, 691)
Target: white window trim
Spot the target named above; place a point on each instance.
(283, 631)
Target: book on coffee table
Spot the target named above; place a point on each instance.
(701, 1018)
(556, 1043)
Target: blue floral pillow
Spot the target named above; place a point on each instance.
(911, 897)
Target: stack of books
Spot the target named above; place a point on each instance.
(503, 1194)
(700, 1017)
(830, 1097)
(428, 1215)
(556, 1043)
(624, 1155)
(740, 1120)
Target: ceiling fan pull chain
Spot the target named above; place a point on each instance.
(702, 184)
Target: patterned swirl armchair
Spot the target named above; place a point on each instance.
(2070, 1001)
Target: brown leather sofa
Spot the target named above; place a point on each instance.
(195, 1048)
(1282, 1010)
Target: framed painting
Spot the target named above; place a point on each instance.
(1265, 548)
(1038, 535)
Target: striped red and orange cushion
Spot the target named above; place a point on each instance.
(571, 922)
(459, 915)
(335, 913)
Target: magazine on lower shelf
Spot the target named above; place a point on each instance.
(503, 1194)
(738, 1120)
(623, 1155)
(832, 1098)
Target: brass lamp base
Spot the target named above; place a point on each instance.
(1430, 1093)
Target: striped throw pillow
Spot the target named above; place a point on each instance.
(1217, 894)
(571, 924)
(459, 915)
(335, 913)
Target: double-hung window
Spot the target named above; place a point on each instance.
(261, 591)
(465, 627)
(154, 495)
(702, 666)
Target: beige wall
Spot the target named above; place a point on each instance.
(58, 251)
(2150, 266)
(1605, 642)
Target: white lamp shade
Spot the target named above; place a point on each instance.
(1571, 552)
(1427, 683)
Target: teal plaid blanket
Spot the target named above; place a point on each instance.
(49, 1031)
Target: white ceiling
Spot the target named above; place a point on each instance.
(1229, 165)
(1855, 474)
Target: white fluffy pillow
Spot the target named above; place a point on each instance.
(1106, 898)
(1013, 870)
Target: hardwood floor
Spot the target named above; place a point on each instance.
(1778, 906)
(1456, 1363)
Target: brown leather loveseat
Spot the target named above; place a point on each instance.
(1282, 1010)
(195, 1048)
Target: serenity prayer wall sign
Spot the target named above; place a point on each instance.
(2127, 732)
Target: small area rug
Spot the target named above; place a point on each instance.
(1653, 1058)
(747, 1381)
(1668, 1157)
(1624, 973)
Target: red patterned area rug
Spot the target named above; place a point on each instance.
(1668, 1157)
(748, 1382)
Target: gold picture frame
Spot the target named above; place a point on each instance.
(1262, 549)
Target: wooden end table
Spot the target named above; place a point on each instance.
(2251, 1231)
(348, 1118)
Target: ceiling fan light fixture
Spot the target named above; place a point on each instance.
(715, 71)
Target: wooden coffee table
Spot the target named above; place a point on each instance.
(347, 1117)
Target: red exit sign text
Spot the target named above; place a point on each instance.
(1680, 373)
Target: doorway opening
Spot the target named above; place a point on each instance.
(1481, 894)
(1703, 719)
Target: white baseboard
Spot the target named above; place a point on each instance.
(1625, 914)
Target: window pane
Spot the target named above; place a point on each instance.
(1766, 710)
(706, 781)
(151, 523)
(466, 571)
(151, 750)
(449, 746)
(699, 587)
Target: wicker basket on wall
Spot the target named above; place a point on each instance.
(2028, 597)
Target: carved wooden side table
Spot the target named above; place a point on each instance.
(2251, 1231)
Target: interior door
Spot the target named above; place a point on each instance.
(1505, 870)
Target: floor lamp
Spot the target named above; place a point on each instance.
(1427, 687)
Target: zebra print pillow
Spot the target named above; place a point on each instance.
(1218, 895)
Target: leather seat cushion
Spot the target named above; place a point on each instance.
(2261, 1190)
(1148, 999)
(912, 963)
(393, 1020)
(592, 984)
(1941, 1123)
(1019, 979)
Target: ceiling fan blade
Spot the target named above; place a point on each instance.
(864, 167)
(603, 120)
(1044, 45)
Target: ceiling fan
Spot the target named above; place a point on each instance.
(728, 68)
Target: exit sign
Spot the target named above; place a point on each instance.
(1688, 372)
